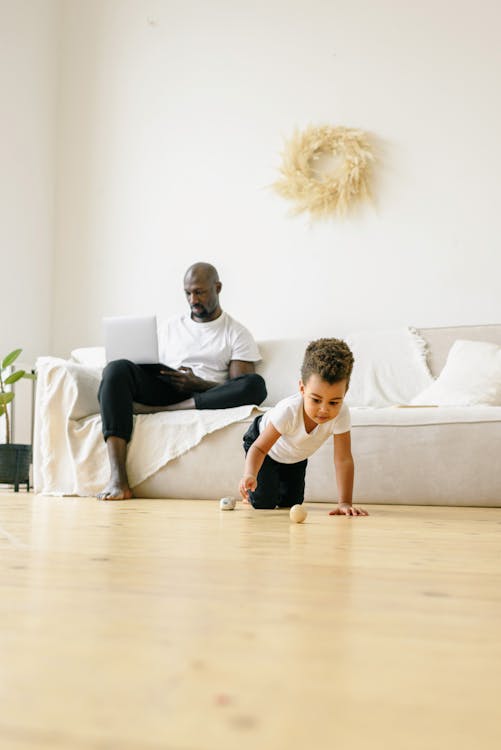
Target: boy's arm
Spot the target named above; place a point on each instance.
(345, 472)
(254, 459)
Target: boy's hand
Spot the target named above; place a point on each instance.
(347, 509)
(248, 482)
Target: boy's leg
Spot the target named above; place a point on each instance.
(292, 484)
(267, 492)
(245, 389)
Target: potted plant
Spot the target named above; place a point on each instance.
(15, 458)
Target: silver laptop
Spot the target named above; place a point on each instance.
(131, 337)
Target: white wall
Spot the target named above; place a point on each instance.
(28, 85)
(172, 118)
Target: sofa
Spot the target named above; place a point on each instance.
(435, 455)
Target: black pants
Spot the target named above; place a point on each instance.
(124, 382)
(278, 485)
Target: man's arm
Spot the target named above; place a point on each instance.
(185, 379)
(239, 367)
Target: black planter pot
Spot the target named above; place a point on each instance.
(15, 460)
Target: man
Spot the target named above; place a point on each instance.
(211, 358)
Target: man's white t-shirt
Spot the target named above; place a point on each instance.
(294, 443)
(208, 348)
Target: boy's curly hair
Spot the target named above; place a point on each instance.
(330, 358)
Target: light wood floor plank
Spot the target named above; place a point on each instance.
(168, 624)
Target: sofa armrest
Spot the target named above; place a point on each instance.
(65, 391)
(69, 386)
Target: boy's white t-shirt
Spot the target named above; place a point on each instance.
(294, 443)
(208, 348)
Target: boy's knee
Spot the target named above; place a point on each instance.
(264, 496)
(262, 504)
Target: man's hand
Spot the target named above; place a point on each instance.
(347, 509)
(248, 482)
(185, 380)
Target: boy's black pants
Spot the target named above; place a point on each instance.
(124, 382)
(278, 484)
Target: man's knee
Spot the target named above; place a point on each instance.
(255, 388)
(116, 372)
(118, 368)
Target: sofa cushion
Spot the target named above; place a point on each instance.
(439, 341)
(390, 367)
(280, 366)
(94, 356)
(472, 375)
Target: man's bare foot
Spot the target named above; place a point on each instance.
(146, 409)
(115, 491)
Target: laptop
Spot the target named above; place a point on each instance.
(131, 337)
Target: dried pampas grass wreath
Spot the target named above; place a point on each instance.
(333, 191)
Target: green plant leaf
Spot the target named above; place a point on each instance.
(10, 358)
(2, 410)
(14, 377)
(6, 398)
(30, 376)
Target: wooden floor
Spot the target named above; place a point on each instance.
(170, 625)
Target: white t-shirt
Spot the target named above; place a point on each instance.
(208, 348)
(294, 443)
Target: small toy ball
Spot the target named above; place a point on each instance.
(297, 514)
(227, 503)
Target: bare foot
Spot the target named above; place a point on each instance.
(115, 491)
(146, 409)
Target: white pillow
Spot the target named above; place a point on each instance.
(89, 355)
(390, 367)
(86, 380)
(471, 375)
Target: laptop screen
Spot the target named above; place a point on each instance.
(131, 337)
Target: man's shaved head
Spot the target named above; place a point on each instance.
(203, 271)
(202, 287)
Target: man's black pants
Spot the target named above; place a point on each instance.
(278, 484)
(124, 382)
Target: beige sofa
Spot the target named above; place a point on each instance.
(436, 456)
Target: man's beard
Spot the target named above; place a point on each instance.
(200, 311)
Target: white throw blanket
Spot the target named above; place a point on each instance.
(390, 367)
(70, 454)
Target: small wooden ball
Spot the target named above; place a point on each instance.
(298, 514)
